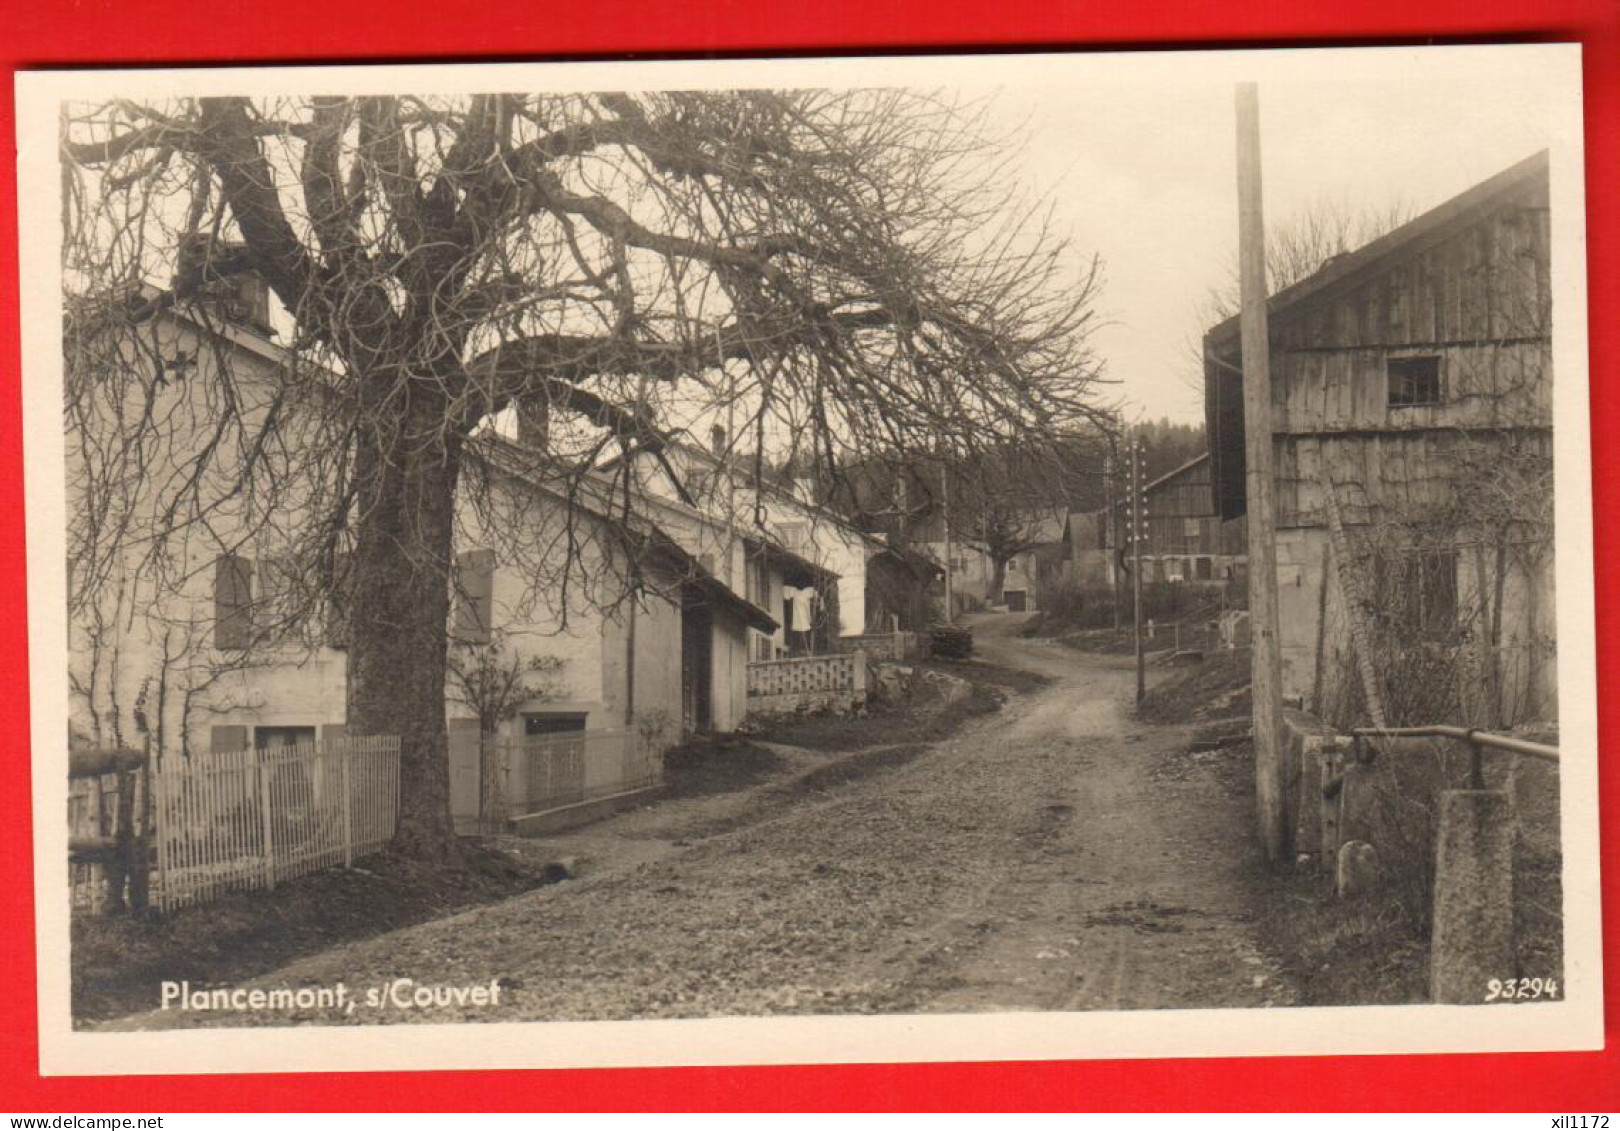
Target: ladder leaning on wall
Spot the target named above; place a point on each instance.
(1352, 596)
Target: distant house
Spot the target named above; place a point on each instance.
(828, 553)
(1186, 541)
(1028, 574)
(1411, 400)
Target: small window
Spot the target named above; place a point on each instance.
(1414, 381)
(282, 738)
(539, 726)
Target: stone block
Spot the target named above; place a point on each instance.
(1357, 870)
(1472, 939)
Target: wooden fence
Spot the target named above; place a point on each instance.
(107, 817)
(245, 819)
(547, 772)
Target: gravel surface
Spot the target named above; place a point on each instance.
(1039, 859)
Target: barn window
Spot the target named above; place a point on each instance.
(1414, 380)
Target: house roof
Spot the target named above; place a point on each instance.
(776, 552)
(1202, 457)
(1050, 528)
(676, 441)
(501, 452)
(917, 562)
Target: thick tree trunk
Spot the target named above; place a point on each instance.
(998, 578)
(401, 608)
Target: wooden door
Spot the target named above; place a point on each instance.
(697, 668)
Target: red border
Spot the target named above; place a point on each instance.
(137, 32)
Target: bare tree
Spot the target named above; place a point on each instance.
(1296, 248)
(495, 682)
(1013, 499)
(1307, 241)
(846, 271)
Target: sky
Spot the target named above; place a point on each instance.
(1143, 172)
(1135, 151)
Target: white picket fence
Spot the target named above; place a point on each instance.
(242, 819)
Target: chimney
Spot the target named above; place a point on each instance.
(717, 441)
(533, 422)
(254, 293)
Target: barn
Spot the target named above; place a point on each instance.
(1411, 412)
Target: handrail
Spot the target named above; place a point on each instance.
(1478, 740)
(1473, 736)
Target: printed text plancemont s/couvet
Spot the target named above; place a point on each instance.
(400, 993)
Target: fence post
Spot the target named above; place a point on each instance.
(263, 763)
(348, 828)
(160, 804)
(1472, 937)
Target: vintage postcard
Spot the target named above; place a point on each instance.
(812, 560)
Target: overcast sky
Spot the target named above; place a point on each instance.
(1145, 174)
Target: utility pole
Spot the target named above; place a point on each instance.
(1136, 515)
(1270, 773)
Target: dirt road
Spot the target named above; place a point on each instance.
(1055, 855)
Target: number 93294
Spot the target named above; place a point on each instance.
(1521, 989)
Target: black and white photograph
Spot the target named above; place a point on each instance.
(821, 559)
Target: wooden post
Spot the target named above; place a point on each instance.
(263, 762)
(1138, 521)
(1111, 525)
(1271, 778)
(348, 802)
(160, 849)
(140, 864)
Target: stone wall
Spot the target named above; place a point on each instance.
(896, 646)
(808, 683)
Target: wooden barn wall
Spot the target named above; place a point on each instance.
(1479, 298)
(1186, 493)
(1181, 517)
(1380, 476)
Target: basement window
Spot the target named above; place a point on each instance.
(1414, 380)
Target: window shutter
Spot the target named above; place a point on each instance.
(233, 602)
(227, 738)
(475, 595)
(339, 604)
